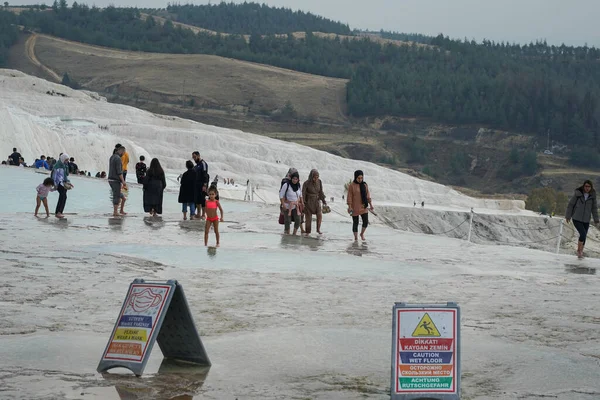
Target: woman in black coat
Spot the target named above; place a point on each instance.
(154, 185)
(186, 190)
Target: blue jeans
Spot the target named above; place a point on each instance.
(184, 207)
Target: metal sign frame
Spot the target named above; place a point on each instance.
(171, 325)
(425, 309)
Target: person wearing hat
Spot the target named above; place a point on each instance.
(359, 203)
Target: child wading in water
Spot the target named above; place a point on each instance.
(211, 214)
(42, 195)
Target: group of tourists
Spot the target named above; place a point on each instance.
(300, 203)
(193, 190)
(47, 163)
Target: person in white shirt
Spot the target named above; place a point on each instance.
(290, 196)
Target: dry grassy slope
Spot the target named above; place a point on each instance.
(212, 81)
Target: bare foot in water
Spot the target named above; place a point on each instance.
(362, 237)
(123, 213)
(59, 215)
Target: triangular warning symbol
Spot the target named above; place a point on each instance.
(426, 327)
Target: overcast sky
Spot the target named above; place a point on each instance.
(573, 22)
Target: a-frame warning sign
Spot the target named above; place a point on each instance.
(153, 312)
(426, 328)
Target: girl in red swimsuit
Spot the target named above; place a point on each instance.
(211, 215)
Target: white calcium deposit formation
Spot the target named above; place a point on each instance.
(39, 117)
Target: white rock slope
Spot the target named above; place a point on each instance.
(40, 123)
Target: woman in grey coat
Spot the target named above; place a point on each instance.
(581, 207)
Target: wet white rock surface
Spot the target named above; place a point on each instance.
(281, 317)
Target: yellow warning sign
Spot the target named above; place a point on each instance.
(426, 327)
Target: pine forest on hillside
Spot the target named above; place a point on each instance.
(248, 18)
(531, 88)
(8, 34)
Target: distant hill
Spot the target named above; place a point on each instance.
(248, 18)
(530, 89)
(196, 81)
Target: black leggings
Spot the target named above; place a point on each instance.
(365, 221)
(582, 228)
(62, 199)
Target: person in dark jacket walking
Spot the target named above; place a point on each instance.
(202, 178)
(140, 170)
(186, 190)
(154, 185)
(581, 207)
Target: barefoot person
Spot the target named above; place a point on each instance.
(359, 198)
(212, 204)
(581, 207)
(116, 180)
(290, 196)
(154, 186)
(186, 190)
(312, 193)
(42, 195)
(140, 170)
(202, 178)
(60, 175)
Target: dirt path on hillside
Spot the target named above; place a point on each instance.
(565, 171)
(30, 52)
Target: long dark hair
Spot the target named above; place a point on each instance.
(586, 182)
(155, 170)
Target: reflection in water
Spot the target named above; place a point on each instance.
(193, 225)
(62, 223)
(211, 251)
(174, 380)
(115, 223)
(300, 242)
(579, 269)
(358, 249)
(154, 222)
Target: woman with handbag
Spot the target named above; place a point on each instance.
(290, 196)
(312, 193)
(60, 175)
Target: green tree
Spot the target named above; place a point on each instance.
(529, 164)
(546, 201)
(514, 156)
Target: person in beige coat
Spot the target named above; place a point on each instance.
(359, 203)
(312, 194)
